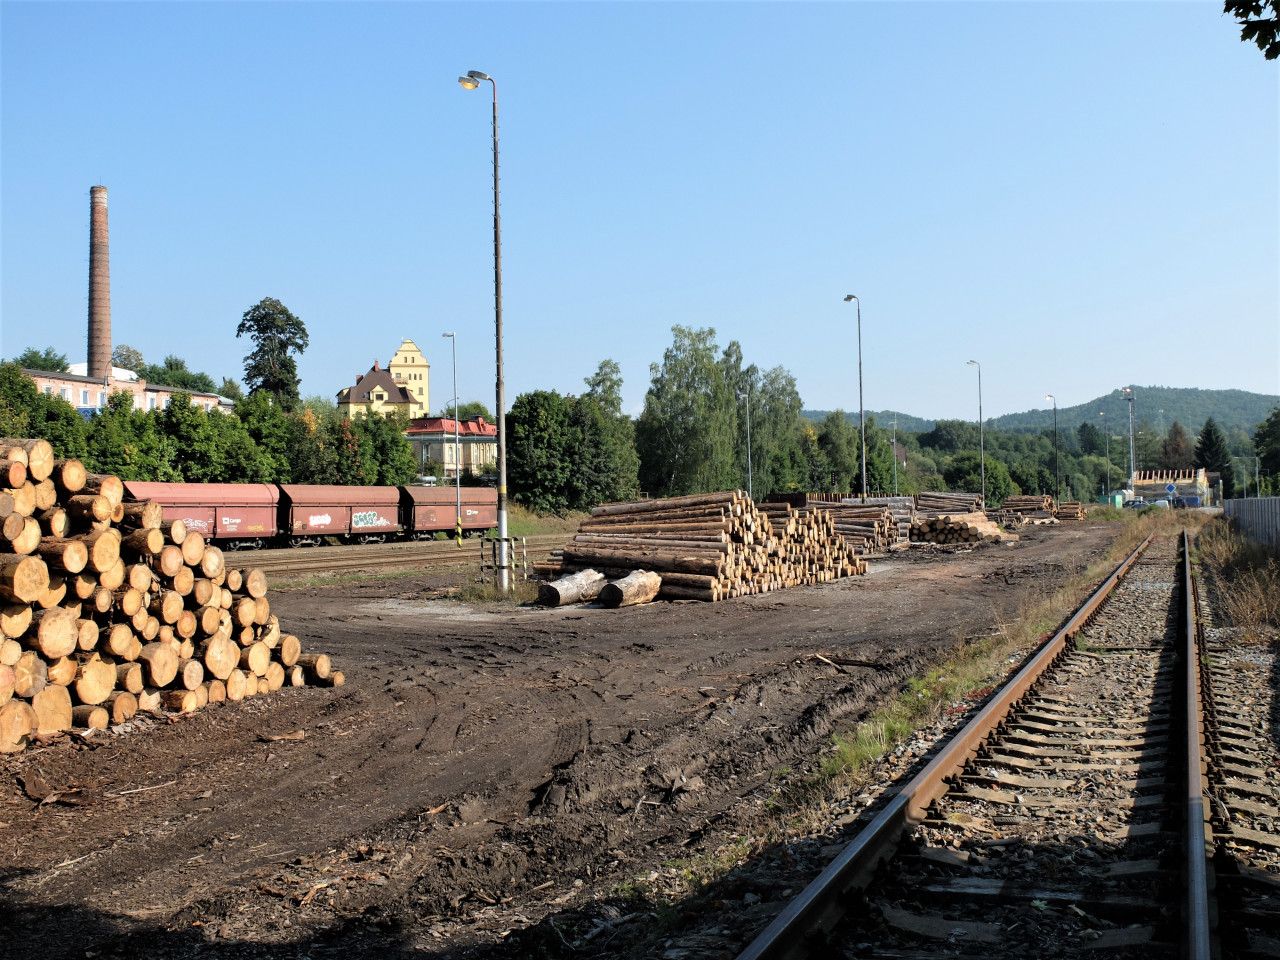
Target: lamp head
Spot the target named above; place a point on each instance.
(468, 82)
(1049, 396)
(971, 363)
(448, 335)
(850, 296)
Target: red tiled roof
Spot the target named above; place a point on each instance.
(475, 427)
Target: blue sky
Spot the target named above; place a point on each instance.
(1080, 195)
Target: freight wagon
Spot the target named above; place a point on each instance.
(251, 515)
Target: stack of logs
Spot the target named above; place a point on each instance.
(105, 609)
(1069, 510)
(711, 546)
(971, 527)
(902, 509)
(931, 505)
(866, 527)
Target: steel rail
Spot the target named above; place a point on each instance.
(822, 903)
(1197, 927)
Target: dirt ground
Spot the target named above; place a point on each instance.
(485, 771)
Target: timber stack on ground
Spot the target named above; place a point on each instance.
(106, 610)
(971, 527)
(902, 509)
(1029, 509)
(1069, 510)
(929, 505)
(866, 528)
(711, 546)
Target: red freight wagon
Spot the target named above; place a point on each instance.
(244, 513)
(310, 512)
(426, 510)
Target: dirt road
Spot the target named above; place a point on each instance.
(483, 769)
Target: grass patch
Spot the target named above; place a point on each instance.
(523, 591)
(1248, 578)
(523, 522)
(340, 579)
(1109, 514)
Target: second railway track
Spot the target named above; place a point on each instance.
(1069, 816)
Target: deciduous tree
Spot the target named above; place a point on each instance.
(1259, 23)
(47, 359)
(278, 337)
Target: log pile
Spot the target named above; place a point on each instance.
(106, 610)
(711, 546)
(902, 509)
(932, 505)
(971, 527)
(1069, 510)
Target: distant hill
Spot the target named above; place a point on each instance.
(884, 418)
(1159, 406)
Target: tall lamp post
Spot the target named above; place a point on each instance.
(471, 81)
(982, 448)
(750, 491)
(1133, 464)
(895, 454)
(862, 417)
(1057, 477)
(1107, 431)
(457, 442)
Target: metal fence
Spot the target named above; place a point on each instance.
(1258, 518)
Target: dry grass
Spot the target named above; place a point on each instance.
(523, 522)
(1248, 579)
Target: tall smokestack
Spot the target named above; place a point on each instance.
(99, 286)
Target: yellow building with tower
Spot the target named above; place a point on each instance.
(403, 386)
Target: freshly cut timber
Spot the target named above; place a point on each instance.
(958, 528)
(107, 486)
(316, 665)
(122, 705)
(160, 663)
(22, 579)
(18, 722)
(69, 475)
(53, 709)
(57, 632)
(13, 473)
(27, 538)
(146, 515)
(69, 556)
(38, 454)
(92, 718)
(639, 586)
(574, 588)
(95, 681)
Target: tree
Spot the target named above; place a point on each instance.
(231, 389)
(541, 451)
(127, 357)
(272, 431)
(951, 436)
(46, 359)
(839, 441)
(1176, 451)
(26, 412)
(1092, 441)
(1255, 26)
(277, 335)
(211, 446)
(686, 436)
(964, 473)
(1266, 441)
(128, 443)
(468, 411)
(174, 372)
(616, 436)
(389, 447)
(1212, 455)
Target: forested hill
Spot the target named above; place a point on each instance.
(1159, 406)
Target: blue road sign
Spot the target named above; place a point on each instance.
(1170, 488)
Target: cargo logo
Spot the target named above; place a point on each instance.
(366, 518)
(319, 520)
(472, 513)
(232, 523)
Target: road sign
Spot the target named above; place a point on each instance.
(1170, 488)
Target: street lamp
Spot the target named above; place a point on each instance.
(1103, 415)
(895, 454)
(862, 417)
(1057, 478)
(457, 442)
(982, 448)
(1133, 464)
(750, 491)
(470, 81)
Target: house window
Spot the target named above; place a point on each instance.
(48, 390)
(102, 398)
(84, 397)
(66, 393)
(151, 403)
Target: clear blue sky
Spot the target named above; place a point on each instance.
(1080, 195)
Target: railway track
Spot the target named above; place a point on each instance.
(1072, 814)
(425, 554)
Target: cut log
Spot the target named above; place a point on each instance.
(236, 682)
(297, 677)
(193, 549)
(181, 701)
(144, 515)
(24, 499)
(54, 522)
(55, 594)
(10, 651)
(115, 639)
(202, 695)
(275, 676)
(202, 592)
(13, 473)
(175, 531)
(269, 633)
(183, 581)
(57, 633)
(261, 611)
(639, 586)
(112, 578)
(149, 700)
(15, 618)
(69, 556)
(335, 679)
(95, 681)
(69, 475)
(129, 601)
(86, 635)
(90, 718)
(169, 560)
(122, 705)
(190, 674)
(129, 677)
(17, 724)
(12, 526)
(217, 691)
(234, 580)
(84, 586)
(53, 709)
(255, 658)
(7, 681)
(6, 504)
(144, 543)
(28, 538)
(575, 588)
(244, 611)
(186, 624)
(160, 664)
(212, 562)
(220, 657)
(167, 606)
(22, 579)
(317, 665)
(102, 600)
(87, 507)
(39, 455)
(62, 671)
(104, 549)
(46, 495)
(106, 486)
(290, 649)
(139, 576)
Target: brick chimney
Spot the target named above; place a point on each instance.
(99, 355)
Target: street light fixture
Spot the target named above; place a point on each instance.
(750, 489)
(982, 447)
(1057, 477)
(470, 81)
(457, 442)
(862, 417)
(1103, 415)
(1127, 392)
